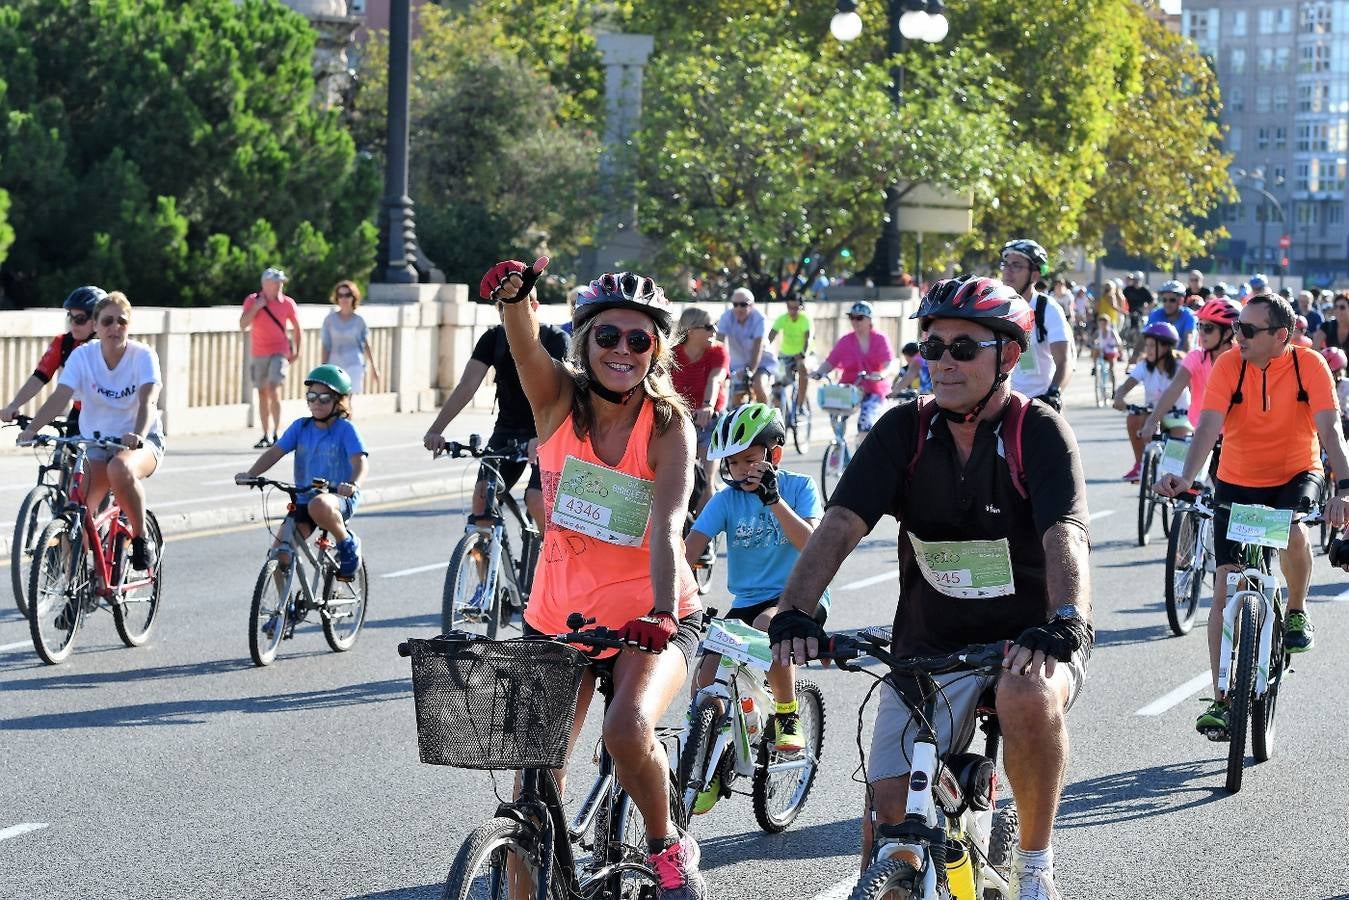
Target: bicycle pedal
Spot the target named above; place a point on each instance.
(345, 579)
(1218, 735)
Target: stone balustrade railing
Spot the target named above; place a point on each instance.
(421, 337)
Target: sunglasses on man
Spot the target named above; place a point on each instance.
(962, 349)
(1250, 331)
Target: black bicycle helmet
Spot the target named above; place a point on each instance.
(84, 299)
(623, 290)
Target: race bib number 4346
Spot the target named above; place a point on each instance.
(604, 503)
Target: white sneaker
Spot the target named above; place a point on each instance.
(1032, 881)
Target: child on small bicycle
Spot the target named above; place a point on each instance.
(1105, 345)
(326, 445)
(1154, 371)
(768, 516)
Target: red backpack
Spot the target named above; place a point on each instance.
(1009, 432)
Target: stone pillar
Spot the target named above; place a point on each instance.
(625, 56)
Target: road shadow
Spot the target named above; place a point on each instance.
(423, 621)
(826, 839)
(196, 712)
(1123, 637)
(65, 680)
(1141, 793)
(423, 892)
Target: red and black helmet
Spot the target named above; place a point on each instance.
(987, 301)
(1220, 310)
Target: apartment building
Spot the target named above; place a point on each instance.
(1284, 72)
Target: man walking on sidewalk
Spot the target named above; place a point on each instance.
(267, 313)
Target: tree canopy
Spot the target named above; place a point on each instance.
(172, 150)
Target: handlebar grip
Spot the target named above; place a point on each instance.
(404, 649)
(474, 443)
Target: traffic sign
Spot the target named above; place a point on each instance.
(1285, 242)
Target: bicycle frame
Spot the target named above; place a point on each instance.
(733, 683)
(530, 539)
(1264, 587)
(293, 563)
(86, 523)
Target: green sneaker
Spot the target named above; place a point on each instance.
(1298, 633)
(1213, 722)
(788, 737)
(708, 798)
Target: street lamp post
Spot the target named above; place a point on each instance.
(1248, 181)
(907, 20)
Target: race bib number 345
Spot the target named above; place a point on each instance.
(966, 569)
(604, 503)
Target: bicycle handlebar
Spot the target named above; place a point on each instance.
(514, 450)
(108, 443)
(600, 638)
(319, 485)
(845, 649)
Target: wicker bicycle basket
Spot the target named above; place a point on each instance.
(494, 704)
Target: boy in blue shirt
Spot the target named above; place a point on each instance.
(768, 514)
(326, 445)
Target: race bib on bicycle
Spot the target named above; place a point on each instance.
(604, 503)
(966, 569)
(1173, 457)
(740, 643)
(839, 397)
(1263, 525)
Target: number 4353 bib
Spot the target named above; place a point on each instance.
(604, 503)
(966, 569)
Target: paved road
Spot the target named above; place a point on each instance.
(178, 770)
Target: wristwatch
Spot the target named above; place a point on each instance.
(1067, 611)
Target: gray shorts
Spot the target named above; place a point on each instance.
(153, 442)
(892, 742)
(269, 369)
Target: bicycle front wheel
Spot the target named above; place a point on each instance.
(1263, 707)
(695, 759)
(35, 512)
(831, 467)
(269, 614)
(1184, 572)
(780, 796)
(1240, 691)
(57, 586)
(344, 608)
(499, 860)
(891, 879)
(134, 613)
(466, 598)
(1147, 505)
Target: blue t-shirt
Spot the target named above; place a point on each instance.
(758, 555)
(1184, 324)
(322, 452)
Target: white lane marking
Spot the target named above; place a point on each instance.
(21, 828)
(5, 648)
(413, 571)
(1177, 696)
(1101, 514)
(868, 582)
(838, 891)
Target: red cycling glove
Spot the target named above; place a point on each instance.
(497, 274)
(650, 632)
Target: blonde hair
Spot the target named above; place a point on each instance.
(349, 285)
(117, 299)
(657, 385)
(692, 317)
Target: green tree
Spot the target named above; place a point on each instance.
(172, 149)
(495, 166)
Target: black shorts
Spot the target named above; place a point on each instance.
(688, 635)
(1281, 496)
(511, 472)
(748, 614)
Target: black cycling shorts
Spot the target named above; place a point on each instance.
(511, 472)
(1281, 496)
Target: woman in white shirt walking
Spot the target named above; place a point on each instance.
(117, 382)
(346, 337)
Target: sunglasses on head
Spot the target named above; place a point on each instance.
(78, 318)
(317, 397)
(108, 321)
(1250, 331)
(607, 336)
(962, 349)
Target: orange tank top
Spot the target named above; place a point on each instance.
(581, 572)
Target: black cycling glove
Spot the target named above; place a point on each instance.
(1339, 553)
(767, 492)
(1052, 397)
(794, 624)
(1059, 638)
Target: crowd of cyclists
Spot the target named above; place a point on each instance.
(974, 461)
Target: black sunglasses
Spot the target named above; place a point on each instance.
(1208, 327)
(962, 349)
(606, 338)
(1250, 331)
(316, 397)
(107, 321)
(78, 318)
(857, 318)
(740, 305)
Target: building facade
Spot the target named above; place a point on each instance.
(1283, 68)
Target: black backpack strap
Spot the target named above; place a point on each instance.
(1041, 332)
(1297, 373)
(1236, 395)
(67, 346)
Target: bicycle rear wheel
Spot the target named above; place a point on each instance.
(497, 853)
(695, 757)
(832, 466)
(780, 797)
(57, 587)
(801, 430)
(35, 512)
(270, 612)
(891, 879)
(1264, 707)
(466, 598)
(344, 608)
(134, 613)
(1241, 688)
(1184, 572)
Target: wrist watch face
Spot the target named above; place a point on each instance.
(1067, 611)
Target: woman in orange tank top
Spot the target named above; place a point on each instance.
(616, 450)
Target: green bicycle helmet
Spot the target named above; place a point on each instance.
(332, 376)
(744, 427)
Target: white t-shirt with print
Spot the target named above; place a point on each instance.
(1035, 372)
(1155, 382)
(108, 396)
